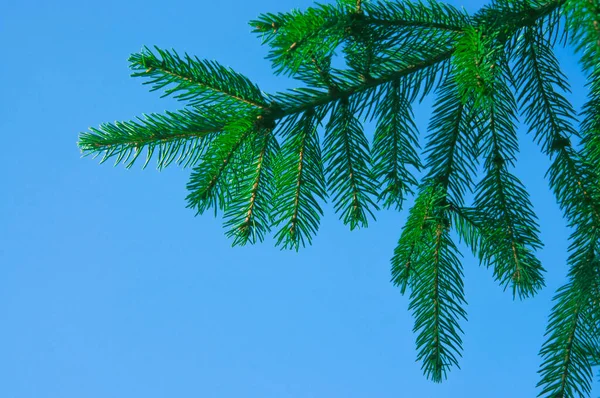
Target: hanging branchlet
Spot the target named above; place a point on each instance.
(415, 235)
(437, 313)
(451, 150)
(395, 147)
(248, 213)
(426, 258)
(299, 181)
(349, 177)
(565, 371)
(506, 216)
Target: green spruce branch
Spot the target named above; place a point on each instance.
(269, 161)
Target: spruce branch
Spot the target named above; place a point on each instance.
(394, 54)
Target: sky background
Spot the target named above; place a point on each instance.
(110, 287)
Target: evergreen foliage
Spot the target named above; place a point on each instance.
(270, 161)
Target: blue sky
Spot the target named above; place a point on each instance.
(110, 287)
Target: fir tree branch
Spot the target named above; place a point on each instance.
(394, 53)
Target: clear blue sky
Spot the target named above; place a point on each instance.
(109, 287)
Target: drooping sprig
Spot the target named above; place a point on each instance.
(346, 154)
(451, 150)
(299, 182)
(248, 214)
(395, 147)
(506, 224)
(566, 370)
(426, 258)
